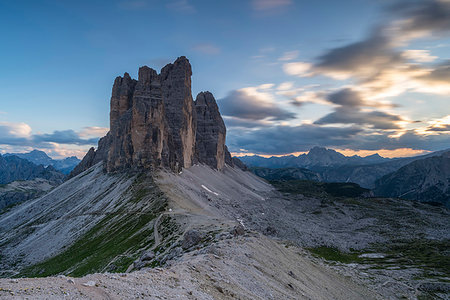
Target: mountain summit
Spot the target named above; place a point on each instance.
(154, 122)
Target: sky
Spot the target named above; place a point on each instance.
(357, 76)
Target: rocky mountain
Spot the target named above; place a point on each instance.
(425, 180)
(37, 157)
(155, 123)
(13, 168)
(316, 157)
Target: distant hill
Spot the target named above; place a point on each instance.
(37, 157)
(13, 168)
(426, 180)
(286, 174)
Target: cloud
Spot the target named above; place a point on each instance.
(421, 17)
(419, 55)
(377, 64)
(20, 135)
(349, 110)
(285, 86)
(346, 97)
(206, 48)
(301, 69)
(373, 119)
(435, 126)
(288, 139)
(290, 55)
(278, 140)
(62, 137)
(182, 6)
(14, 130)
(253, 103)
(235, 122)
(440, 74)
(93, 131)
(268, 5)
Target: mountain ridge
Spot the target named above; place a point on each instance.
(38, 157)
(425, 180)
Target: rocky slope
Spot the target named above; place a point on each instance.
(154, 123)
(20, 191)
(13, 168)
(426, 180)
(37, 157)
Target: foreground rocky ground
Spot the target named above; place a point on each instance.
(249, 266)
(208, 234)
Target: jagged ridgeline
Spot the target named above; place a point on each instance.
(111, 211)
(154, 122)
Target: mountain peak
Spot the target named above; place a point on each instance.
(154, 123)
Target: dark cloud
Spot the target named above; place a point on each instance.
(243, 123)
(440, 74)
(373, 119)
(378, 59)
(17, 134)
(408, 140)
(359, 57)
(346, 97)
(243, 105)
(350, 111)
(62, 137)
(441, 128)
(287, 139)
(423, 15)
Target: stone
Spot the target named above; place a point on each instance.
(147, 255)
(191, 238)
(90, 283)
(238, 230)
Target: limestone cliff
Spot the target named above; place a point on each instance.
(211, 131)
(155, 123)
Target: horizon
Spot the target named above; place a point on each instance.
(287, 76)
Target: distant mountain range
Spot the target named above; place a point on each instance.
(37, 157)
(316, 157)
(13, 168)
(332, 166)
(425, 178)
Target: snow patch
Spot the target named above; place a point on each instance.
(208, 190)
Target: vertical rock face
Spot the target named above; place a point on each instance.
(154, 122)
(211, 132)
(179, 109)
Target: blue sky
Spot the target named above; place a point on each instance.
(288, 75)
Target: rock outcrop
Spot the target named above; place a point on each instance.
(155, 123)
(211, 131)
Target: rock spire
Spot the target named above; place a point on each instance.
(155, 123)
